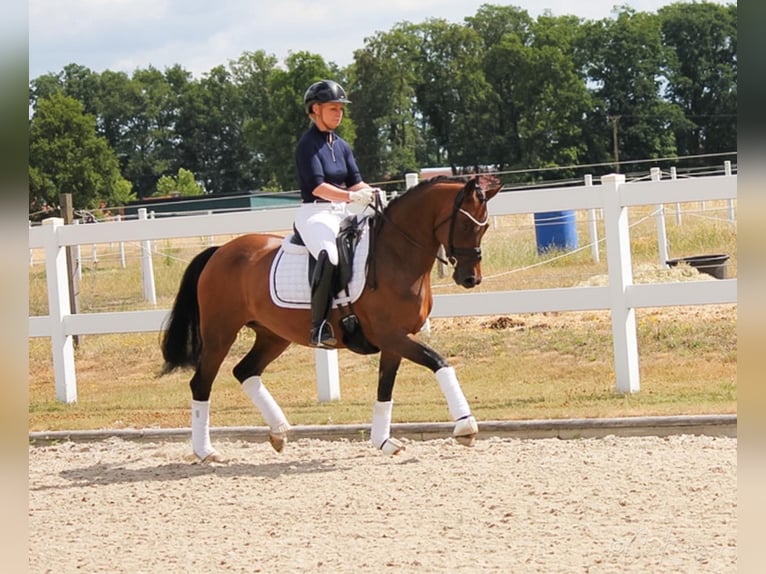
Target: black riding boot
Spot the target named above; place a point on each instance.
(321, 292)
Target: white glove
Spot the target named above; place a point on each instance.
(362, 196)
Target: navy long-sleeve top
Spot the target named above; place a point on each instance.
(323, 157)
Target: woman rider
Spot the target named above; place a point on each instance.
(329, 179)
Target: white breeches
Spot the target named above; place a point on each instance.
(319, 224)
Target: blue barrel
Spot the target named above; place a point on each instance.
(555, 230)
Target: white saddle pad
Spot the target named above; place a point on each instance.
(289, 282)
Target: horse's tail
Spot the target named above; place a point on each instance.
(181, 343)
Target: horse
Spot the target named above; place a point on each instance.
(225, 288)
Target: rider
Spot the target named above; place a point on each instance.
(329, 179)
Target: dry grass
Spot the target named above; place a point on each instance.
(512, 367)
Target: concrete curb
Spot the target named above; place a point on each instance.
(712, 425)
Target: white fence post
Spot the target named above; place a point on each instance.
(122, 248)
(727, 171)
(592, 227)
(674, 175)
(62, 345)
(625, 340)
(147, 266)
(77, 256)
(659, 217)
(328, 378)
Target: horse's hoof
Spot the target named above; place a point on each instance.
(212, 457)
(277, 441)
(466, 440)
(392, 446)
(466, 430)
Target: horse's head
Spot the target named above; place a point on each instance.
(467, 224)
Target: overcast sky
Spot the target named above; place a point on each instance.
(124, 35)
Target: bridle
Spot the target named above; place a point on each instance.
(472, 253)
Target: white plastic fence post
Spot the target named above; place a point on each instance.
(410, 180)
(328, 378)
(659, 217)
(592, 227)
(78, 256)
(727, 171)
(153, 244)
(147, 267)
(62, 345)
(674, 176)
(624, 337)
(31, 251)
(122, 248)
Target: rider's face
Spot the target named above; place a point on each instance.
(329, 115)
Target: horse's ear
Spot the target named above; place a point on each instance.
(486, 186)
(472, 185)
(492, 191)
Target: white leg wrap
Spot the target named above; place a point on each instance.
(381, 423)
(200, 425)
(269, 408)
(448, 383)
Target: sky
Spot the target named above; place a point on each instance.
(125, 35)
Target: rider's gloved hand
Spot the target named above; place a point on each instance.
(362, 196)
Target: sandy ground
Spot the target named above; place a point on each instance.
(640, 504)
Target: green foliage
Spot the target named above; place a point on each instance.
(183, 184)
(67, 156)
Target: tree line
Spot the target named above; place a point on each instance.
(502, 90)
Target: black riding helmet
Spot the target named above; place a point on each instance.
(322, 92)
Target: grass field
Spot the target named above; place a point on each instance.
(529, 366)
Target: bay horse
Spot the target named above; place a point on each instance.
(226, 287)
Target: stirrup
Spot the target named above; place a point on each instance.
(323, 336)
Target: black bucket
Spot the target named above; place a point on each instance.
(713, 265)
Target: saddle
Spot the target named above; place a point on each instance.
(293, 266)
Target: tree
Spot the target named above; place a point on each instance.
(66, 156)
(252, 74)
(542, 98)
(452, 93)
(702, 74)
(505, 31)
(627, 59)
(183, 184)
(389, 140)
(210, 130)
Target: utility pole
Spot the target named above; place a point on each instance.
(615, 147)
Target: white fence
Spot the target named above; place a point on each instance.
(621, 297)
